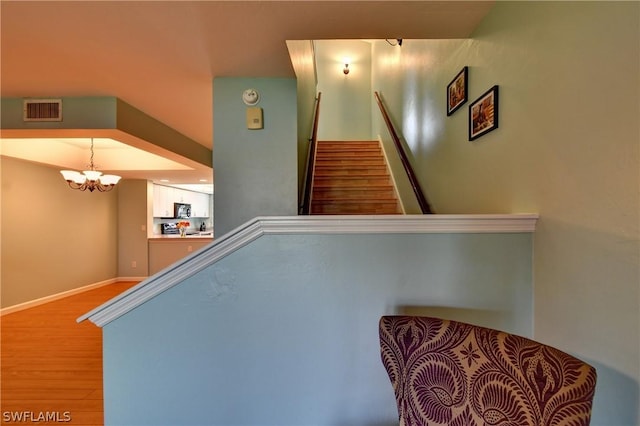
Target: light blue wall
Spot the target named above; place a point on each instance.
(284, 330)
(256, 171)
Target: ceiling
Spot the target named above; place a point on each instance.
(162, 56)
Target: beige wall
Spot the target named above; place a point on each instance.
(346, 99)
(567, 148)
(135, 218)
(54, 239)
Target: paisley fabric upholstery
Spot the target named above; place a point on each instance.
(451, 373)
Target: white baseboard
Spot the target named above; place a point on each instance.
(120, 279)
(57, 296)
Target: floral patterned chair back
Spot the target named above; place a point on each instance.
(451, 373)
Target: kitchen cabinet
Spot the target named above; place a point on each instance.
(165, 196)
(200, 204)
(163, 201)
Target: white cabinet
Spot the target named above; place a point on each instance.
(165, 196)
(162, 201)
(200, 205)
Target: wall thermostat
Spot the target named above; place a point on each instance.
(250, 97)
(254, 118)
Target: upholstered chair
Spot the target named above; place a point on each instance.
(451, 373)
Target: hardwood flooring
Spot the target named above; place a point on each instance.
(51, 367)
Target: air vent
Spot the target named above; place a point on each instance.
(42, 110)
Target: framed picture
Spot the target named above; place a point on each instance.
(457, 92)
(483, 114)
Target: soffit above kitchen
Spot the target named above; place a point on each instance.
(127, 141)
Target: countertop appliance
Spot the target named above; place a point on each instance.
(169, 228)
(181, 210)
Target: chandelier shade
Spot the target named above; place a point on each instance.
(91, 179)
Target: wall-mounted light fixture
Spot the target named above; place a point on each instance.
(346, 60)
(396, 42)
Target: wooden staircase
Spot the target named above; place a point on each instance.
(352, 177)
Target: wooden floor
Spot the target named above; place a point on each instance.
(51, 365)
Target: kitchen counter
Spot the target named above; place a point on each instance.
(197, 235)
(167, 249)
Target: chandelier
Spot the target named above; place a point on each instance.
(90, 179)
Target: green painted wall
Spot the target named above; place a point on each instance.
(302, 54)
(346, 99)
(256, 171)
(567, 147)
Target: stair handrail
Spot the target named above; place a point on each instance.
(311, 160)
(413, 180)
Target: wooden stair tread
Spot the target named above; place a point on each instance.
(365, 144)
(355, 153)
(354, 210)
(347, 182)
(343, 149)
(351, 162)
(355, 187)
(329, 173)
(364, 200)
(349, 165)
(352, 177)
(369, 198)
(351, 155)
(354, 167)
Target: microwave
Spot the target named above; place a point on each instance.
(181, 210)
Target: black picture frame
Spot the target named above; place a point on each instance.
(457, 91)
(483, 114)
